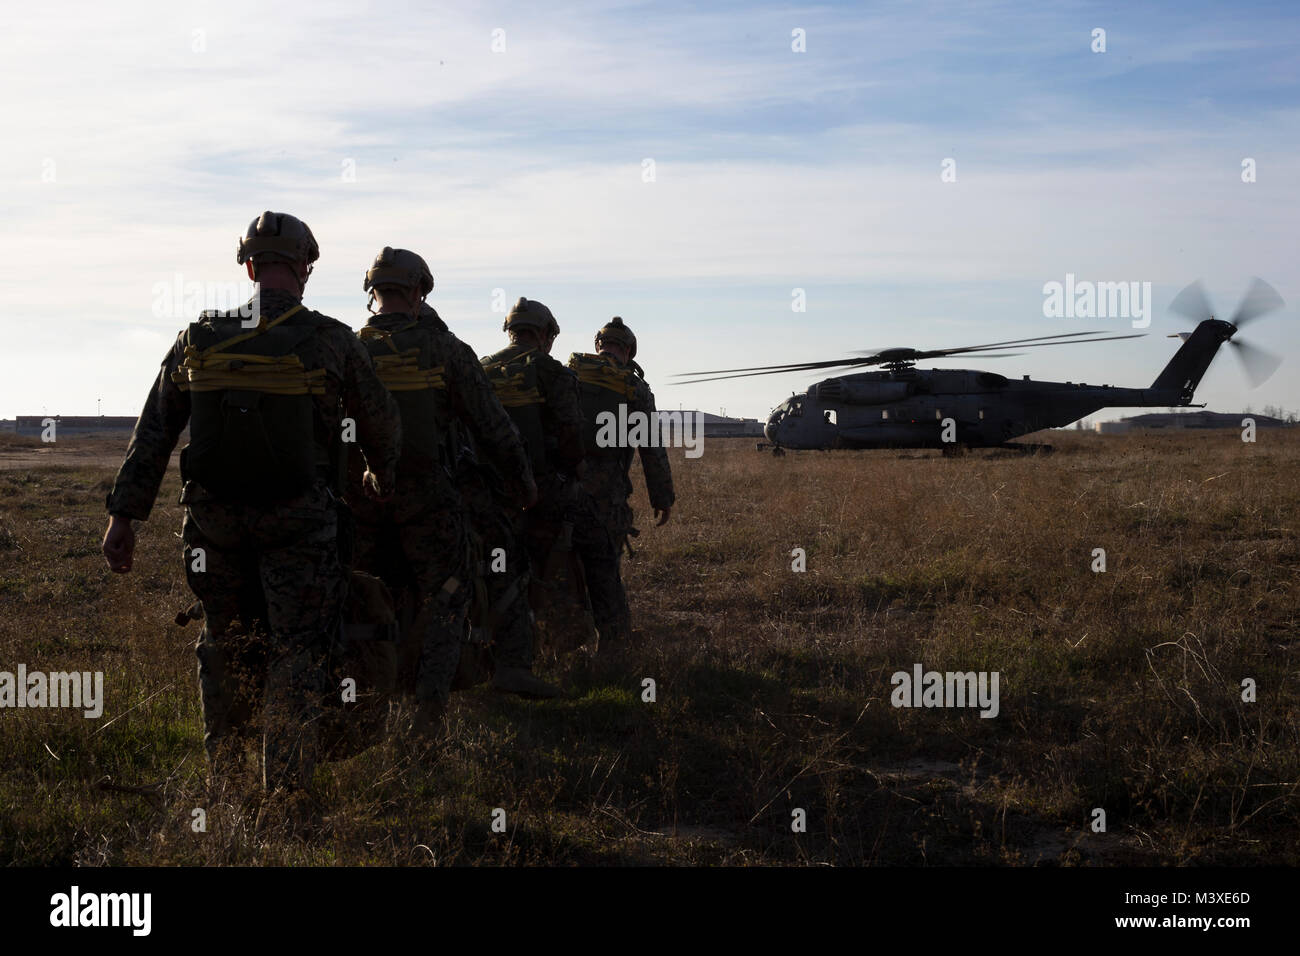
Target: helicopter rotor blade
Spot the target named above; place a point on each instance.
(1029, 344)
(1258, 364)
(1260, 299)
(1068, 338)
(1037, 338)
(773, 369)
(1193, 303)
(989, 345)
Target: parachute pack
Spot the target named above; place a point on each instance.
(255, 433)
(404, 361)
(604, 386)
(515, 382)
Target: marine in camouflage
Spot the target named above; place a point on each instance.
(419, 543)
(609, 484)
(287, 549)
(552, 532)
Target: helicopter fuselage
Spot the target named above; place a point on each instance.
(937, 408)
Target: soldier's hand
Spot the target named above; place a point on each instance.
(376, 488)
(119, 544)
(662, 515)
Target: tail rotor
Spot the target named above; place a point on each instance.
(1259, 364)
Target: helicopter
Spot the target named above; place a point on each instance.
(902, 406)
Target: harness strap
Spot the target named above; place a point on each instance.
(510, 388)
(262, 326)
(374, 332)
(212, 370)
(604, 375)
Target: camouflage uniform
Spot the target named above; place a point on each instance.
(562, 612)
(281, 556)
(607, 481)
(419, 541)
(505, 618)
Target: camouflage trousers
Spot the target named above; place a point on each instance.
(611, 524)
(505, 618)
(278, 564)
(417, 545)
(574, 570)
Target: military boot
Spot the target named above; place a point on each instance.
(522, 681)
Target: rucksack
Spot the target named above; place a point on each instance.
(255, 432)
(516, 383)
(404, 361)
(603, 386)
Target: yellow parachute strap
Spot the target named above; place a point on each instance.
(262, 326)
(211, 370)
(512, 394)
(402, 372)
(275, 375)
(502, 363)
(595, 370)
(374, 332)
(510, 388)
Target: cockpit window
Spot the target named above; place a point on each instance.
(796, 408)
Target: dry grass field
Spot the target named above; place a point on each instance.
(1119, 690)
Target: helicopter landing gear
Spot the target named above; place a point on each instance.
(954, 451)
(778, 451)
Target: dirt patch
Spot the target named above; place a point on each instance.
(26, 453)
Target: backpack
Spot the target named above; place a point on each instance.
(516, 383)
(255, 432)
(603, 387)
(404, 362)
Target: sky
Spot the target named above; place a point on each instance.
(918, 170)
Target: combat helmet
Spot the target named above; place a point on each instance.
(529, 314)
(615, 331)
(401, 268)
(277, 236)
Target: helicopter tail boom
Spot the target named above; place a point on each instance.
(1178, 379)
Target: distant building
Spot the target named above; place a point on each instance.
(70, 426)
(1181, 420)
(721, 426)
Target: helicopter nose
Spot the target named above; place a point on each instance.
(769, 430)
